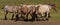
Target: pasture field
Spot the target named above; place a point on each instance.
(55, 16)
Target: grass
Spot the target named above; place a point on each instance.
(54, 16)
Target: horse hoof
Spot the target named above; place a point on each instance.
(43, 20)
(47, 19)
(11, 19)
(5, 19)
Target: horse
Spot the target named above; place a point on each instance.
(28, 9)
(44, 9)
(11, 9)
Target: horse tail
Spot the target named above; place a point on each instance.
(2, 8)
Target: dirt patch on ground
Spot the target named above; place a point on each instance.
(9, 22)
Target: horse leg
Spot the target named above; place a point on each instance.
(33, 17)
(17, 17)
(21, 15)
(6, 15)
(47, 15)
(42, 16)
(36, 17)
(27, 16)
(12, 17)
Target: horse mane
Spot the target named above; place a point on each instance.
(37, 7)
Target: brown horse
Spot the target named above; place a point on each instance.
(28, 9)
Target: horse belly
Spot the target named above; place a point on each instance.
(42, 10)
